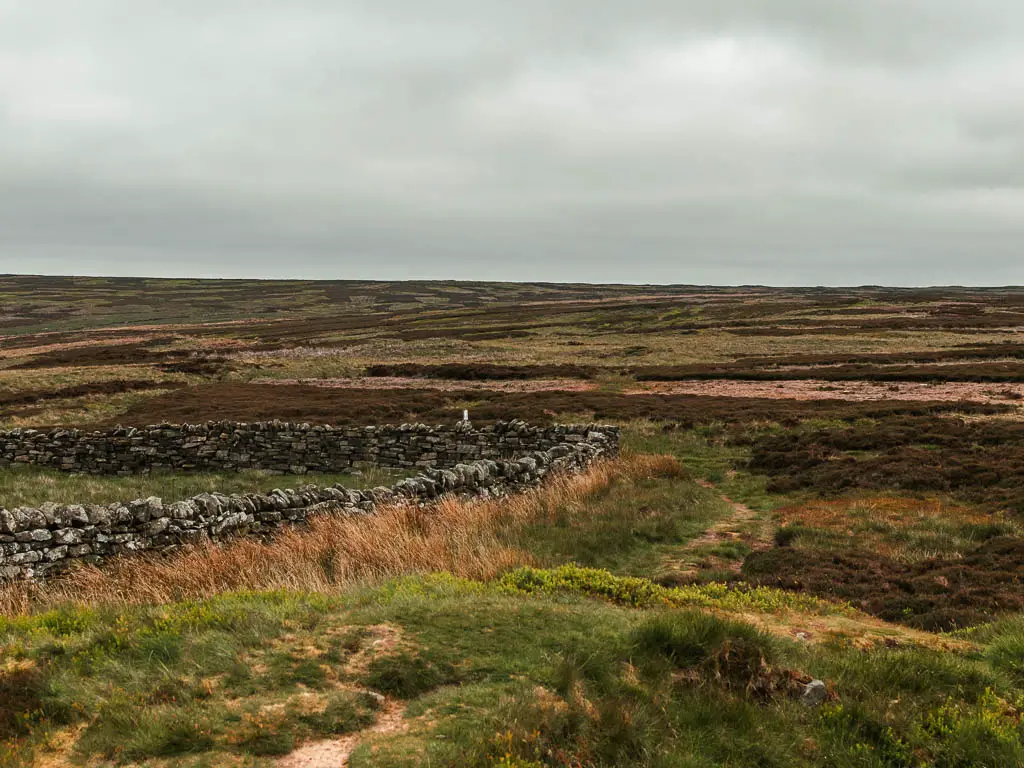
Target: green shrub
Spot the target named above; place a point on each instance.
(643, 593)
(853, 735)
(987, 733)
(625, 590)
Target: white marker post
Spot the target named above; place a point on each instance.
(465, 415)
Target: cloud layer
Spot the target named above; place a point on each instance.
(792, 142)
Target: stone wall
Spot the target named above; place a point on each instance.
(275, 446)
(33, 541)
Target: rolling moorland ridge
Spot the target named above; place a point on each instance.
(809, 550)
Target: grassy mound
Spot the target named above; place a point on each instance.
(487, 675)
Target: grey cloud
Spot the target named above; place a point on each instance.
(786, 142)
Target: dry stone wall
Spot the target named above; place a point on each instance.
(492, 461)
(275, 446)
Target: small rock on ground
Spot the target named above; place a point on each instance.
(815, 693)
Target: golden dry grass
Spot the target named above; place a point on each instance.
(79, 412)
(334, 552)
(903, 528)
(894, 510)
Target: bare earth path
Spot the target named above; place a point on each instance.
(744, 525)
(737, 526)
(335, 753)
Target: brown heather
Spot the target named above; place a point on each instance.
(461, 537)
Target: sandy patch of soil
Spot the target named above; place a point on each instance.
(58, 750)
(444, 385)
(812, 389)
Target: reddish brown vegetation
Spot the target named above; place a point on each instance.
(837, 325)
(483, 371)
(112, 354)
(934, 594)
(444, 385)
(199, 366)
(850, 391)
(253, 402)
(986, 371)
(137, 353)
(972, 352)
(469, 334)
(297, 403)
(978, 462)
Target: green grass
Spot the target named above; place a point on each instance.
(26, 485)
(712, 454)
(631, 528)
(182, 679)
(503, 676)
(1004, 645)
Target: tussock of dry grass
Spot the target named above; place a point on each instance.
(461, 537)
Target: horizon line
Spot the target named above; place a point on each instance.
(776, 286)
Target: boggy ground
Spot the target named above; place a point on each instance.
(816, 483)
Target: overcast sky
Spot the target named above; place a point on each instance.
(692, 141)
